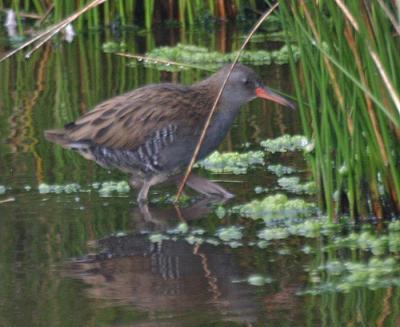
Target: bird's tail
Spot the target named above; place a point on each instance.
(57, 136)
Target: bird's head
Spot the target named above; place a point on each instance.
(244, 85)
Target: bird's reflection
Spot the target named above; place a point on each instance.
(171, 276)
(148, 218)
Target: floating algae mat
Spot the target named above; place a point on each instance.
(191, 54)
(371, 266)
(276, 206)
(292, 184)
(105, 188)
(56, 188)
(287, 143)
(232, 162)
(280, 170)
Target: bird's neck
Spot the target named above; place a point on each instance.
(209, 88)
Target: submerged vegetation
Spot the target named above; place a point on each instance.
(348, 86)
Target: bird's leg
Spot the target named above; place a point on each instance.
(136, 182)
(206, 187)
(143, 193)
(145, 187)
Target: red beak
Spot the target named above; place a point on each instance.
(266, 93)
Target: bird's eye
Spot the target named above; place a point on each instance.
(246, 81)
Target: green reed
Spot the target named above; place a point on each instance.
(134, 12)
(346, 106)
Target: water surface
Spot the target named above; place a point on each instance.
(81, 259)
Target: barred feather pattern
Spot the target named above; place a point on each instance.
(144, 158)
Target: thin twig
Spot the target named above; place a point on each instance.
(11, 199)
(63, 24)
(158, 60)
(390, 15)
(386, 80)
(210, 115)
(47, 14)
(389, 86)
(347, 13)
(50, 32)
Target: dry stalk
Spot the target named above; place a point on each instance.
(210, 115)
(328, 65)
(387, 82)
(352, 44)
(157, 60)
(390, 15)
(53, 30)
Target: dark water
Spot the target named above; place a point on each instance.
(80, 259)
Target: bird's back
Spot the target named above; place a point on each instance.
(135, 128)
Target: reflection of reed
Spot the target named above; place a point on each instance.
(211, 280)
(171, 276)
(387, 308)
(42, 67)
(21, 136)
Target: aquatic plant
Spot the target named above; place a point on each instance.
(292, 184)
(229, 233)
(68, 188)
(275, 206)
(157, 237)
(276, 233)
(108, 187)
(280, 170)
(196, 55)
(286, 143)
(111, 46)
(347, 87)
(232, 162)
(258, 280)
(348, 275)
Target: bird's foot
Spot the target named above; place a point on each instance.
(208, 188)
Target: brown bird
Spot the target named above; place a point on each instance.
(151, 132)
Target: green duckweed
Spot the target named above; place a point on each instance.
(68, 188)
(309, 228)
(157, 238)
(109, 187)
(394, 226)
(260, 189)
(212, 241)
(280, 170)
(275, 206)
(182, 228)
(232, 162)
(346, 276)
(292, 184)
(111, 46)
(269, 234)
(285, 143)
(235, 244)
(192, 239)
(230, 233)
(258, 280)
(220, 212)
(191, 54)
(197, 231)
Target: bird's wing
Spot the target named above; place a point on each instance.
(126, 121)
